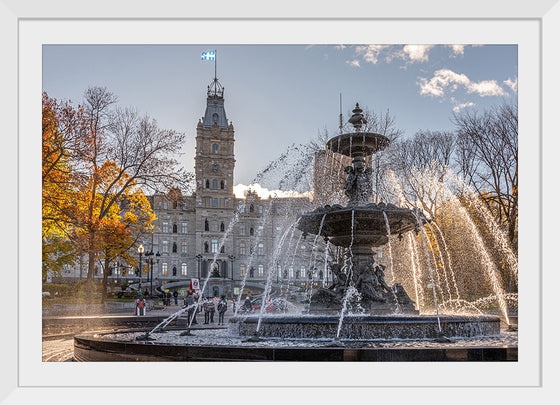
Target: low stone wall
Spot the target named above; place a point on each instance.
(107, 308)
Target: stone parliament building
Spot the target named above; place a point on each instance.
(191, 232)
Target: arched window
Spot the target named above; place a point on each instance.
(215, 148)
(222, 184)
(207, 183)
(222, 227)
(205, 247)
(251, 208)
(174, 248)
(174, 228)
(206, 225)
(251, 232)
(214, 184)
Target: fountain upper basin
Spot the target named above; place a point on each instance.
(370, 228)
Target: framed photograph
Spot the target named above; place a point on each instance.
(330, 178)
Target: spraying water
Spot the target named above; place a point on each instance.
(350, 292)
(487, 262)
(430, 269)
(252, 255)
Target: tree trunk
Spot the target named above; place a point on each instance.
(91, 267)
(105, 277)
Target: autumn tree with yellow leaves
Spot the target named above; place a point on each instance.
(104, 162)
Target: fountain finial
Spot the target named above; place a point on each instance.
(357, 119)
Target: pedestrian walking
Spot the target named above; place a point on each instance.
(212, 308)
(206, 306)
(247, 306)
(222, 308)
(176, 297)
(190, 302)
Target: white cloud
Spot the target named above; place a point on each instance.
(486, 88)
(511, 83)
(370, 53)
(447, 80)
(457, 50)
(355, 62)
(416, 53)
(340, 47)
(240, 190)
(459, 107)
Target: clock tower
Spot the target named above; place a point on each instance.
(214, 159)
(215, 201)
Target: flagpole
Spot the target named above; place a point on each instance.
(215, 64)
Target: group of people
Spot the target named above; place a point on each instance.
(167, 298)
(208, 306)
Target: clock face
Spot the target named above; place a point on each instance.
(214, 169)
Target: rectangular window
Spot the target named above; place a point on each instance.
(261, 270)
(184, 246)
(242, 229)
(164, 269)
(214, 227)
(261, 227)
(164, 247)
(242, 208)
(214, 245)
(302, 272)
(261, 249)
(214, 203)
(242, 249)
(184, 269)
(242, 270)
(165, 227)
(184, 227)
(260, 209)
(184, 205)
(165, 205)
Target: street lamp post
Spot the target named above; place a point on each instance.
(199, 260)
(140, 251)
(150, 261)
(231, 258)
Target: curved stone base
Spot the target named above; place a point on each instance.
(104, 347)
(367, 327)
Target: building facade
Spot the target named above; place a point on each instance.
(213, 233)
(226, 242)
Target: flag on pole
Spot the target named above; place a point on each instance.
(210, 55)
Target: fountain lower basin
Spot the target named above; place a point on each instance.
(366, 327)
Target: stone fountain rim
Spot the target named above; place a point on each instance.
(326, 318)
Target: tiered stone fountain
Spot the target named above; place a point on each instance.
(360, 304)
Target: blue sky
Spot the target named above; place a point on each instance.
(277, 95)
